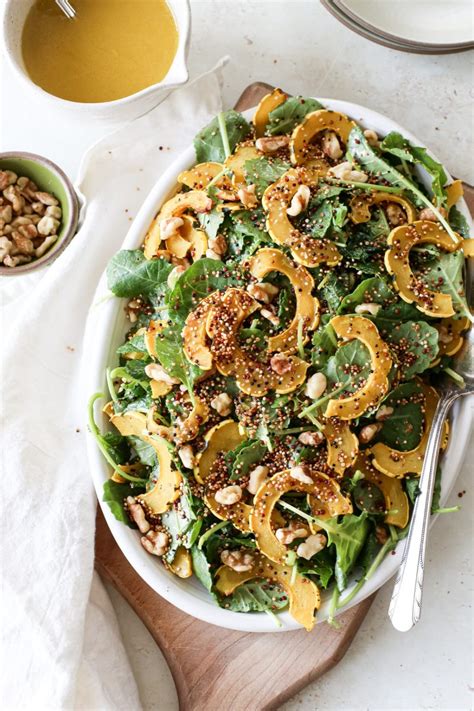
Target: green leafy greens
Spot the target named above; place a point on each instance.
(209, 145)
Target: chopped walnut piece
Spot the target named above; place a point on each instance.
(137, 514)
(280, 363)
(256, 478)
(299, 474)
(312, 545)
(240, 561)
(228, 495)
(271, 144)
(155, 542)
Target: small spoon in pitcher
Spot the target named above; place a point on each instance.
(67, 8)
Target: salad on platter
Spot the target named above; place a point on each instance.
(290, 311)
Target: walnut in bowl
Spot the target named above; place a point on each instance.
(39, 211)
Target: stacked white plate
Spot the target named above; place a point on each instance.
(420, 26)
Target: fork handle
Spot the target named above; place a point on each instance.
(405, 605)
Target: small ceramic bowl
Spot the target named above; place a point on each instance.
(51, 179)
(130, 107)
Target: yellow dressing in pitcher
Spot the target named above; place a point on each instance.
(112, 49)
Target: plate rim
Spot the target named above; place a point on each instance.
(466, 44)
(374, 36)
(105, 320)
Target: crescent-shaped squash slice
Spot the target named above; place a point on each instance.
(189, 239)
(154, 328)
(397, 262)
(178, 246)
(307, 307)
(269, 103)
(303, 594)
(189, 428)
(361, 204)
(395, 463)
(196, 237)
(396, 501)
(454, 192)
(252, 376)
(182, 564)
(160, 388)
(326, 507)
(323, 493)
(199, 176)
(167, 487)
(276, 200)
(193, 201)
(376, 385)
(236, 162)
(312, 124)
(195, 343)
(222, 438)
(343, 445)
(450, 335)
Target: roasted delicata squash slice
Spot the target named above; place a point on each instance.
(182, 565)
(194, 201)
(220, 439)
(307, 306)
(450, 335)
(362, 204)
(195, 340)
(268, 104)
(454, 193)
(395, 463)
(312, 124)
(154, 328)
(342, 444)
(303, 594)
(376, 385)
(189, 428)
(327, 503)
(235, 163)
(396, 501)
(276, 200)
(132, 469)
(397, 262)
(252, 377)
(199, 176)
(159, 388)
(167, 487)
(189, 241)
(324, 496)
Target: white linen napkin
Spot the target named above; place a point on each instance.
(61, 644)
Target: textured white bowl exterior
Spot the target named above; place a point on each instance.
(13, 19)
(105, 331)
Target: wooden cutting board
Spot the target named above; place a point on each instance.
(216, 669)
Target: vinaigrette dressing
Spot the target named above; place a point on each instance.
(112, 49)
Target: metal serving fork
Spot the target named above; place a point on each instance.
(67, 8)
(405, 605)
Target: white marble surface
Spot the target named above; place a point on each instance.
(299, 46)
